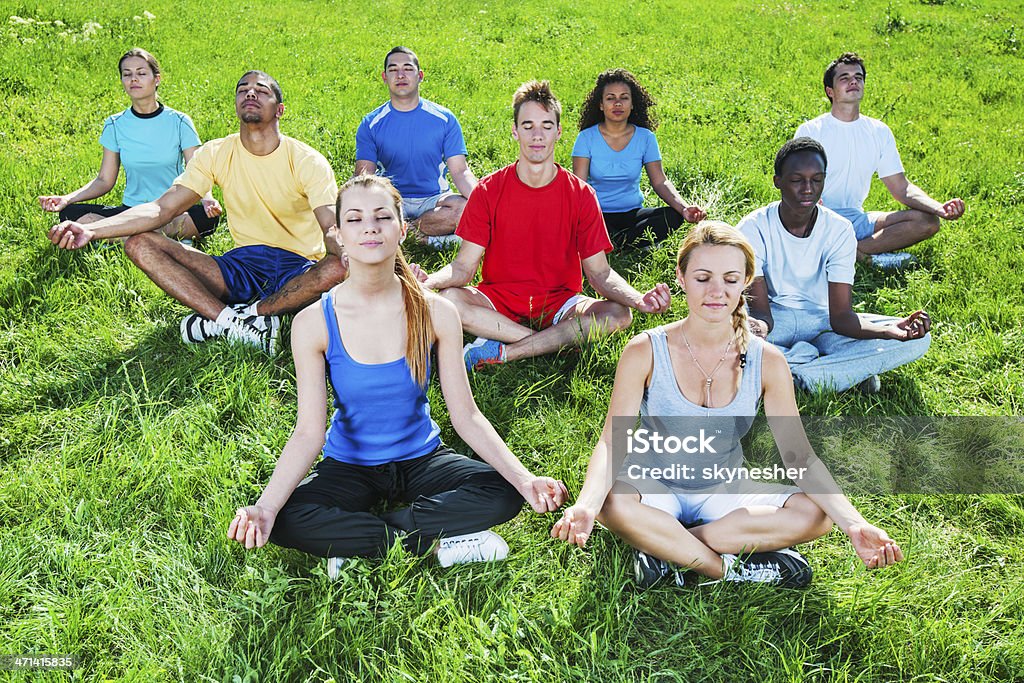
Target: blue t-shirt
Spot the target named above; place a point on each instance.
(150, 146)
(381, 415)
(615, 176)
(410, 147)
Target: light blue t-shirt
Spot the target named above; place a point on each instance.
(410, 147)
(150, 146)
(615, 176)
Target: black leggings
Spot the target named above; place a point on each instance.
(204, 224)
(629, 228)
(448, 494)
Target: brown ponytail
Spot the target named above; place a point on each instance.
(717, 233)
(419, 332)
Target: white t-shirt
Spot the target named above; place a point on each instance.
(797, 270)
(855, 150)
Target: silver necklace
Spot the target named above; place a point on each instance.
(708, 378)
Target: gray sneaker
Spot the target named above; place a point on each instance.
(195, 329)
(334, 565)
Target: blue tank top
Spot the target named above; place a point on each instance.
(665, 409)
(381, 415)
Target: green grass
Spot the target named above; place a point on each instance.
(124, 453)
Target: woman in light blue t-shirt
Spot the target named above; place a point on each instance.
(153, 143)
(616, 142)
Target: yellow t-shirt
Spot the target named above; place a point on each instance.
(269, 199)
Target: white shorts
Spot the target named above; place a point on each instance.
(414, 207)
(703, 506)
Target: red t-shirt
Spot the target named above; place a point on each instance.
(535, 239)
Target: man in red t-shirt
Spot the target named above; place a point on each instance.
(533, 224)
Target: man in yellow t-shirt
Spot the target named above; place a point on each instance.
(280, 196)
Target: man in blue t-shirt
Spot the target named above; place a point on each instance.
(411, 140)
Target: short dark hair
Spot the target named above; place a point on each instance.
(154, 65)
(401, 50)
(539, 92)
(845, 58)
(271, 81)
(795, 146)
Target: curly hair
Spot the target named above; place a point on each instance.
(641, 115)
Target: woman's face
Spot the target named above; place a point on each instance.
(713, 281)
(369, 224)
(616, 102)
(138, 79)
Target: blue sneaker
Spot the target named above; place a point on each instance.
(893, 260)
(481, 352)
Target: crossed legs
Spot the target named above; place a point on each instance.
(896, 230)
(195, 280)
(759, 527)
(576, 325)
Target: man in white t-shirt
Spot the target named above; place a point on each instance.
(857, 147)
(801, 299)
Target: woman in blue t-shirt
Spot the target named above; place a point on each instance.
(616, 142)
(706, 375)
(372, 335)
(153, 143)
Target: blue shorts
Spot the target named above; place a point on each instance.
(863, 226)
(257, 271)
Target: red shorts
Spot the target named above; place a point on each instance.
(537, 312)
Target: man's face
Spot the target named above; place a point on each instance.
(402, 75)
(847, 85)
(537, 132)
(255, 101)
(802, 180)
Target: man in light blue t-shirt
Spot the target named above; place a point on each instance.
(411, 141)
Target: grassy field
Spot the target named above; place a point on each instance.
(124, 453)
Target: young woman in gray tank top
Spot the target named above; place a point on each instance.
(709, 365)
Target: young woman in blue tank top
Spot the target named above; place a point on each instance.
(372, 336)
(709, 365)
(153, 143)
(615, 144)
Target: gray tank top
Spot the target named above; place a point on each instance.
(666, 410)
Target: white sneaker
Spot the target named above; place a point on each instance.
(440, 242)
(482, 546)
(260, 331)
(893, 260)
(195, 329)
(334, 565)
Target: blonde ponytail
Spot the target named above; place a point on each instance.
(419, 332)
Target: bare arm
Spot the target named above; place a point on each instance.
(97, 187)
(461, 174)
(760, 308)
(459, 272)
(581, 167)
(542, 493)
(252, 525)
(364, 167)
(631, 377)
(872, 544)
(664, 188)
(327, 219)
(912, 196)
(210, 205)
(844, 321)
(138, 219)
(612, 286)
